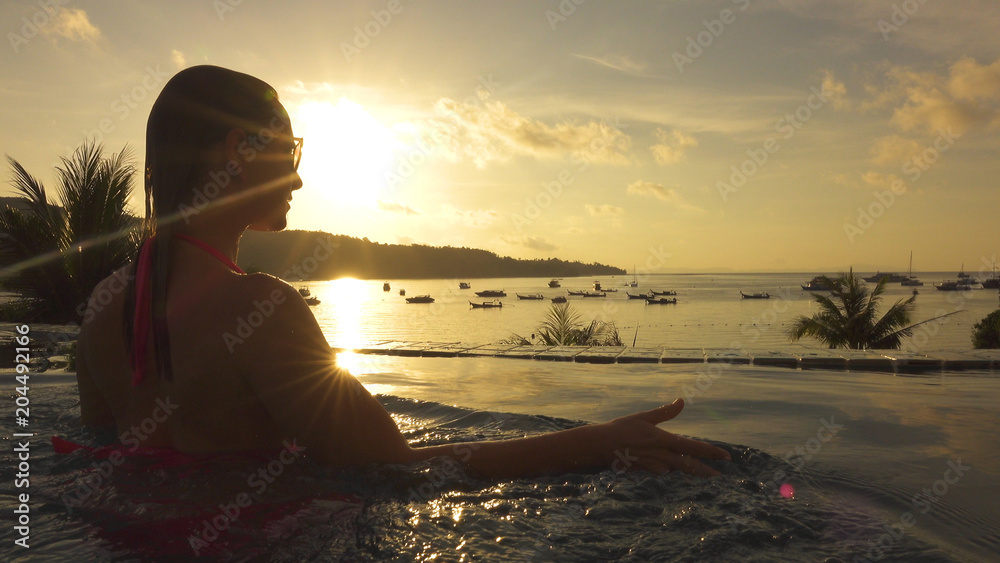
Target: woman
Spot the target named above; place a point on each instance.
(199, 357)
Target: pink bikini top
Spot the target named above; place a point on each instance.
(144, 300)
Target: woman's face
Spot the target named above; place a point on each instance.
(271, 156)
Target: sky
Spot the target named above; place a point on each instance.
(673, 136)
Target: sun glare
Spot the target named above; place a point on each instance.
(347, 151)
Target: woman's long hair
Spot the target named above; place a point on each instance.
(194, 113)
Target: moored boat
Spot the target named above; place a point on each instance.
(594, 294)
(486, 304)
(640, 296)
(385, 286)
(491, 293)
(531, 296)
(760, 295)
(559, 299)
(890, 277)
(911, 281)
(463, 285)
(949, 285)
(661, 301)
(554, 283)
(666, 292)
(816, 284)
(402, 292)
(420, 299)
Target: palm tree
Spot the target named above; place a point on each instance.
(848, 317)
(561, 327)
(53, 255)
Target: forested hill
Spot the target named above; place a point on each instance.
(315, 255)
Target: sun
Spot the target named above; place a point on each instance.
(346, 153)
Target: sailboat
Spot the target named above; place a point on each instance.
(992, 282)
(634, 282)
(911, 281)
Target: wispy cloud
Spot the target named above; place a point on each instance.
(672, 146)
(392, 207)
(617, 62)
(485, 131)
(668, 195)
(531, 242)
(604, 210)
(474, 218)
(72, 24)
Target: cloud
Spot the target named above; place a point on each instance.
(604, 210)
(887, 181)
(391, 207)
(672, 146)
(72, 24)
(668, 195)
(178, 59)
(616, 62)
(530, 241)
(656, 190)
(486, 131)
(894, 150)
(474, 218)
(966, 97)
(834, 90)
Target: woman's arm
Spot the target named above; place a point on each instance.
(291, 368)
(628, 443)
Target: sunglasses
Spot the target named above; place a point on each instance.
(297, 143)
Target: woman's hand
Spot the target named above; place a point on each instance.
(634, 442)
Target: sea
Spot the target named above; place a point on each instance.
(710, 312)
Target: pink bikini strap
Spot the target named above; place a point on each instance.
(143, 319)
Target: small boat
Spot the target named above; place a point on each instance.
(594, 294)
(559, 299)
(816, 284)
(402, 292)
(761, 295)
(661, 301)
(486, 304)
(554, 283)
(420, 299)
(635, 281)
(953, 286)
(889, 277)
(463, 285)
(667, 292)
(911, 281)
(311, 300)
(385, 286)
(531, 296)
(630, 296)
(597, 287)
(577, 293)
(491, 293)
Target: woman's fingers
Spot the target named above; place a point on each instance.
(661, 414)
